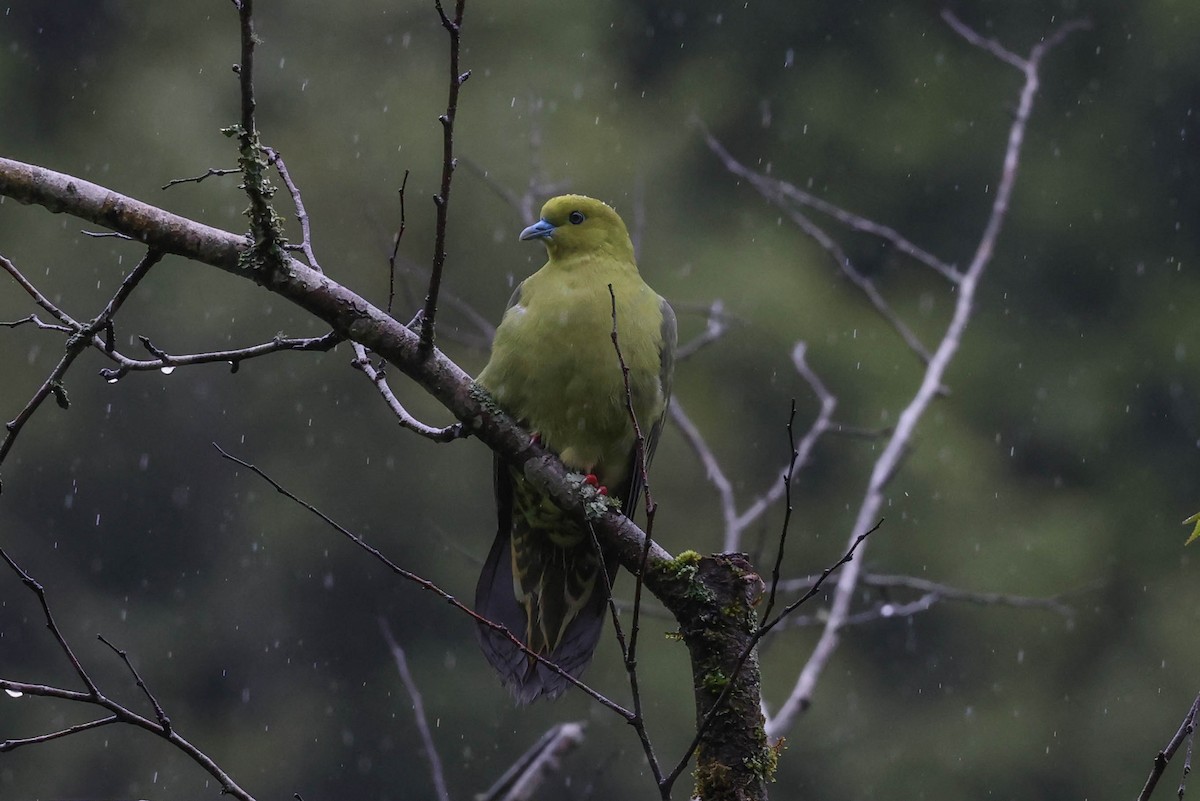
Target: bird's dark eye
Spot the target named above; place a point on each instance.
(576, 217)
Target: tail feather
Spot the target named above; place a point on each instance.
(556, 605)
(525, 677)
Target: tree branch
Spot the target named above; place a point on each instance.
(120, 714)
(449, 163)
(897, 445)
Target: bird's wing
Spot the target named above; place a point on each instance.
(666, 371)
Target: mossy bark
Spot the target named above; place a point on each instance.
(713, 597)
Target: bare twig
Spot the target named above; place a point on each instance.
(932, 592)
(423, 583)
(166, 362)
(195, 179)
(897, 445)
(163, 720)
(306, 247)
(396, 246)
(786, 480)
(93, 696)
(629, 660)
(377, 376)
(442, 198)
(36, 322)
(107, 235)
(639, 577)
(485, 330)
(1186, 731)
(12, 745)
(414, 693)
(76, 343)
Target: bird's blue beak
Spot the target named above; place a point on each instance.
(539, 230)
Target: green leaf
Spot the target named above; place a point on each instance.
(1196, 531)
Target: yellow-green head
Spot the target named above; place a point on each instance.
(576, 224)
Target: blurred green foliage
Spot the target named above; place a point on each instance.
(1060, 462)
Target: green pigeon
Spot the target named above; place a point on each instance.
(554, 369)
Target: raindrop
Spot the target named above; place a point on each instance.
(13, 693)
(113, 380)
(167, 370)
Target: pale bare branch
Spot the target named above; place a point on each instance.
(897, 444)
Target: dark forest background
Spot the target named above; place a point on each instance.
(1060, 463)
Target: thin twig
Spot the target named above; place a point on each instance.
(35, 321)
(163, 720)
(396, 247)
(107, 235)
(639, 578)
(166, 362)
(897, 445)
(628, 659)
(306, 247)
(786, 480)
(414, 693)
(1186, 731)
(38, 590)
(423, 583)
(442, 199)
(406, 420)
(12, 745)
(93, 696)
(938, 591)
(195, 179)
(76, 343)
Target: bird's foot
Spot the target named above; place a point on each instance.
(591, 480)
